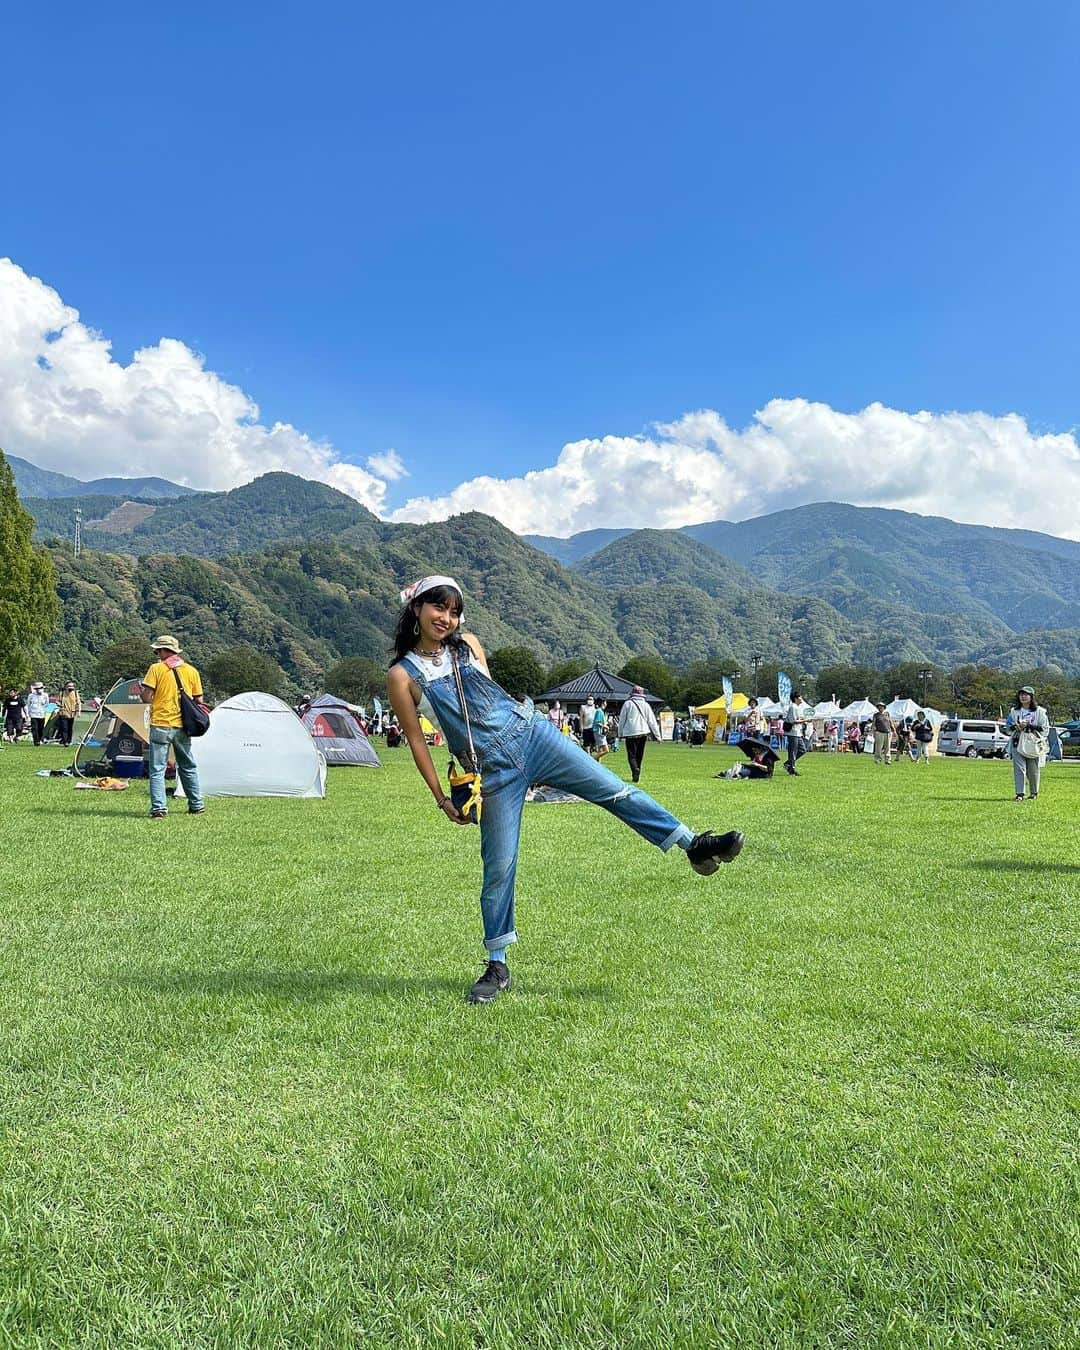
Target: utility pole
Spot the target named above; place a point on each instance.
(926, 675)
(78, 530)
(757, 659)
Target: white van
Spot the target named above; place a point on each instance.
(972, 737)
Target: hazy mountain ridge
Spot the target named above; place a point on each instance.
(30, 481)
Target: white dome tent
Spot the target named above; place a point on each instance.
(258, 747)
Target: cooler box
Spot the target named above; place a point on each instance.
(129, 766)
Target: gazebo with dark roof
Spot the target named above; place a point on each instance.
(597, 684)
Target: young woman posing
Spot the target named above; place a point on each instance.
(515, 746)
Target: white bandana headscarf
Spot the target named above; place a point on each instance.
(418, 588)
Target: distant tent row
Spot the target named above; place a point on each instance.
(256, 745)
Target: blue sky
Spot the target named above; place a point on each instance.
(475, 233)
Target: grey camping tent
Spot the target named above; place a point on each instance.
(337, 734)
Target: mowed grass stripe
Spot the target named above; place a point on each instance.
(829, 1096)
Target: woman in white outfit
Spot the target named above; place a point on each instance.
(1030, 727)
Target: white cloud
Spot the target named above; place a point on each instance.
(388, 465)
(67, 405)
(969, 466)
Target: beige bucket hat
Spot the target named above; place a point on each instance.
(167, 641)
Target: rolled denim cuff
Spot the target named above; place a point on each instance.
(683, 836)
(494, 944)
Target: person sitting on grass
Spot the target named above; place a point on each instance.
(514, 746)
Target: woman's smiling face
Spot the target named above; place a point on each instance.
(438, 619)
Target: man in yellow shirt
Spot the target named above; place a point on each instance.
(159, 689)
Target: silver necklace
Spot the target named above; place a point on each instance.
(434, 657)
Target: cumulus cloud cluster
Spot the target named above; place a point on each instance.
(67, 404)
(969, 466)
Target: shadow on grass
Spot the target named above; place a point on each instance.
(994, 797)
(316, 984)
(1016, 865)
(81, 807)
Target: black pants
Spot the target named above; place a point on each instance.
(64, 725)
(13, 727)
(37, 729)
(635, 753)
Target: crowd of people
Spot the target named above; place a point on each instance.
(31, 713)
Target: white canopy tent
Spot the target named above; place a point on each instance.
(823, 712)
(858, 710)
(258, 747)
(901, 707)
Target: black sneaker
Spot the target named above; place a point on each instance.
(494, 981)
(708, 851)
(158, 815)
(196, 810)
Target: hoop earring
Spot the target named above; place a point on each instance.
(416, 628)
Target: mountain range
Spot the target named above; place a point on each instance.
(308, 574)
(30, 481)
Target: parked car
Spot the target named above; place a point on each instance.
(973, 737)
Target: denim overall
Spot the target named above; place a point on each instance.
(517, 746)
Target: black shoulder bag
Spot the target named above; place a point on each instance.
(194, 717)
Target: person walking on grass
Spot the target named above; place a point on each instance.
(637, 722)
(882, 725)
(587, 721)
(1030, 727)
(36, 703)
(515, 746)
(68, 707)
(161, 689)
(796, 719)
(922, 733)
(13, 715)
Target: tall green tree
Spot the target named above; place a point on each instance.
(704, 680)
(517, 670)
(848, 683)
(238, 669)
(654, 675)
(29, 607)
(566, 670)
(904, 681)
(356, 680)
(124, 660)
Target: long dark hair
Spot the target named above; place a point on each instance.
(405, 632)
(1034, 700)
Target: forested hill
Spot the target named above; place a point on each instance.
(970, 586)
(308, 575)
(209, 525)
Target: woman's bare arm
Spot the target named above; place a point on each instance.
(403, 700)
(477, 651)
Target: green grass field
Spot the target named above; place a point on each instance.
(830, 1096)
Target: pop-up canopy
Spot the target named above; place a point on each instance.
(859, 710)
(120, 727)
(716, 712)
